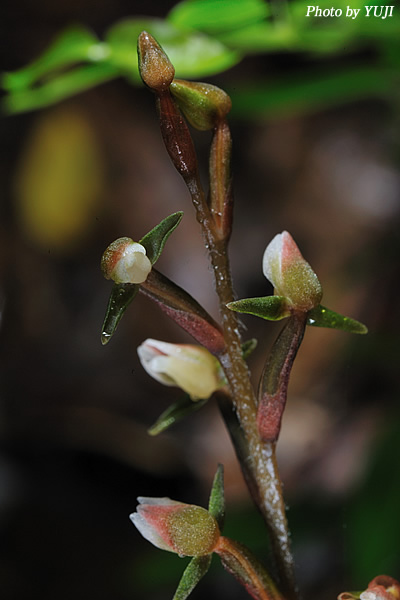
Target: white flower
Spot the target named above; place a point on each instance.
(125, 261)
(192, 368)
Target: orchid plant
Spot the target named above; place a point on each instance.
(217, 367)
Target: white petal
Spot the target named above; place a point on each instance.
(157, 501)
(151, 363)
(133, 266)
(272, 260)
(148, 532)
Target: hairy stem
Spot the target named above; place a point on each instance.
(257, 458)
(259, 461)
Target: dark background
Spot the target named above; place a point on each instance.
(74, 452)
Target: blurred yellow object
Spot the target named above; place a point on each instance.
(59, 181)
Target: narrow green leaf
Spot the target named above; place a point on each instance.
(248, 347)
(301, 94)
(272, 308)
(324, 317)
(155, 240)
(175, 413)
(217, 15)
(74, 45)
(216, 503)
(195, 571)
(121, 296)
(60, 87)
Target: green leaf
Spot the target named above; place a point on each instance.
(74, 45)
(248, 347)
(121, 296)
(175, 413)
(300, 94)
(323, 317)
(60, 87)
(216, 503)
(217, 15)
(195, 571)
(155, 240)
(272, 308)
(193, 54)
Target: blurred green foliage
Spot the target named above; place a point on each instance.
(206, 37)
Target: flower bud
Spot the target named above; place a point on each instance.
(155, 68)
(192, 368)
(202, 104)
(185, 529)
(125, 261)
(382, 587)
(291, 276)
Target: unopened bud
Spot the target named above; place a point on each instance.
(185, 529)
(382, 587)
(202, 104)
(291, 275)
(155, 68)
(125, 261)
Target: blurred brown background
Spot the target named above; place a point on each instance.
(74, 452)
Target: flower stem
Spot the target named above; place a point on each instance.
(259, 462)
(239, 561)
(257, 458)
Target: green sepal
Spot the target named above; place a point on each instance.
(175, 413)
(121, 296)
(248, 347)
(195, 571)
(155, 240)
(203, 104)
(272, 308)
(216, 503)
(324, 317)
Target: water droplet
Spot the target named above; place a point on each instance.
(105, 338)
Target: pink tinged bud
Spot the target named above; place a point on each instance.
(185, 529)
(192, 368)
(125, 261)
(382, 587)
(291, 275)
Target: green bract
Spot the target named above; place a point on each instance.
(155, 240)
(202, 104)
(199, 565)
(216, 503)
(122, 294)
(175, 412)
(272, 308)
(195, 571)
(324, 317)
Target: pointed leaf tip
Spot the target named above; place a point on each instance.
(216, 504)
(121, 296)
(155, 240)
(272, 308)
(320, 316)
(195, 571)
(175, 413)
